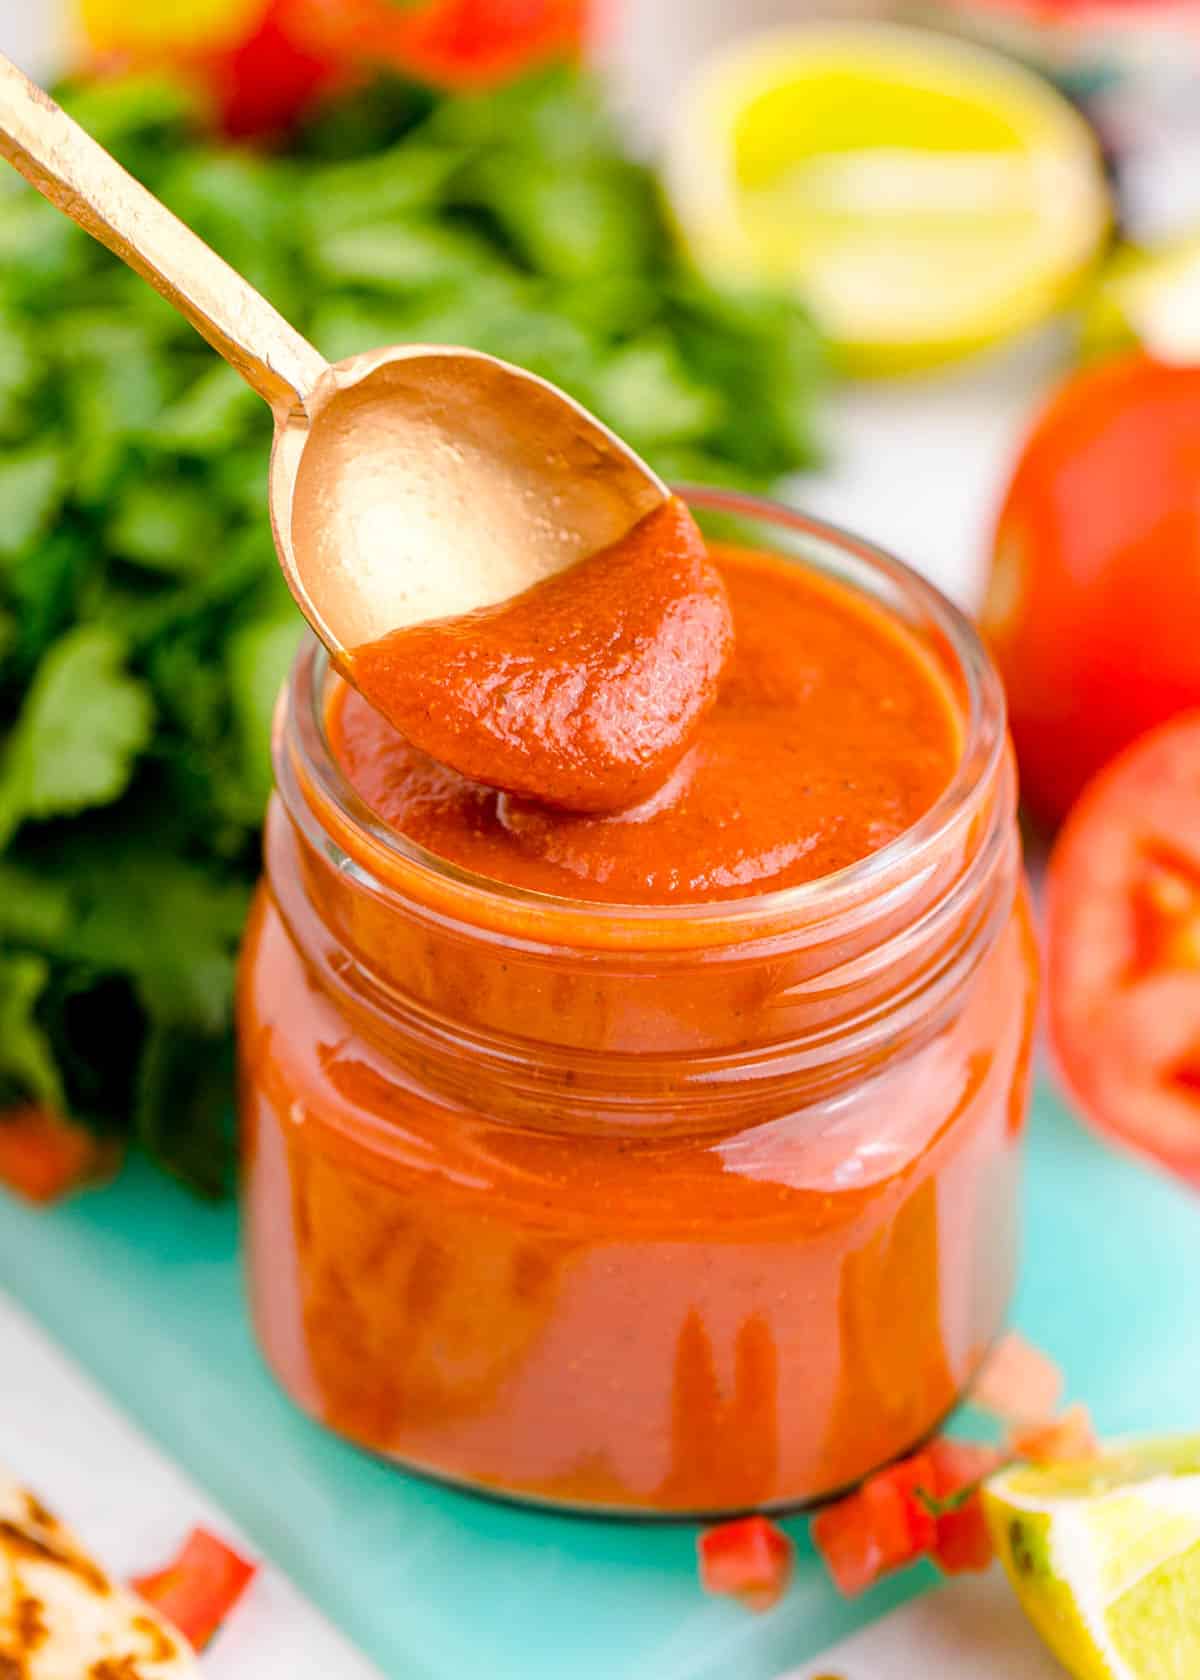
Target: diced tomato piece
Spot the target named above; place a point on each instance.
(1063, 1440)
(963, 1542)
(1017, 1384)
(912, 1482)
(886, 1525)
(749, 1559)
(1123, 945)
(853, 1555)
(859, 1538)
(42, 1155)
(197, 1591)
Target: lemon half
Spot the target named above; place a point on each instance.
(927, 196)
(1105, 1558)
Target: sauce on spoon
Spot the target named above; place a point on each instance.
(584, 691)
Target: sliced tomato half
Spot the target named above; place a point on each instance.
(1123, 948)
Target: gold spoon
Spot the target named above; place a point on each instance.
(407, 483)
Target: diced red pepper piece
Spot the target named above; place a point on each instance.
(749, 1559)
(1017, 1384)
(42, 1155)
(882, 1527)
(1067, 1438)
(197, 1591)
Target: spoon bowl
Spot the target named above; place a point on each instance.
(421, 482)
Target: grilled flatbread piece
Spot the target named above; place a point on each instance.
(62, 1617)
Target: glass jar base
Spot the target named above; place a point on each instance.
(639, 1516)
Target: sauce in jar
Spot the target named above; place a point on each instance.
(660, 1161)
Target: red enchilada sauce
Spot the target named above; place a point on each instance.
(583, 691)
(832, 732)
(525, 1209)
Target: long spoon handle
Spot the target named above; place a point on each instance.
(83, 181)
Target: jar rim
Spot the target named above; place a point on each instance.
(300, 725)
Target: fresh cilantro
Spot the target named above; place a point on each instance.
(170, 926)
(182, 1115)
(27, 1064)
(34, 910)
(260, 656)
(31, 491)
(84, 721)
(952, 1502)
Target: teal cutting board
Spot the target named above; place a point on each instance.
(142, 1286)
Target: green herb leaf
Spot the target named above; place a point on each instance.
(645, 393)
(260, 656)
(370, 191)
(27, 1065)
(34, 910)
(167, 524)
(19, 372)
(214, 414)
(183, 1113)
(84, 721)
(405, 257)
(44, 582)
(170, 926)
(140, 110)
(32, 487)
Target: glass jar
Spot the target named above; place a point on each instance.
(666, 1211)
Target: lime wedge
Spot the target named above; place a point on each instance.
(1105, 1558)
(927, 196)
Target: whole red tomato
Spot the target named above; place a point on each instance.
(252, 60)
(1093, 608)
(460, 43)
(263, 62)
(269, 78)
